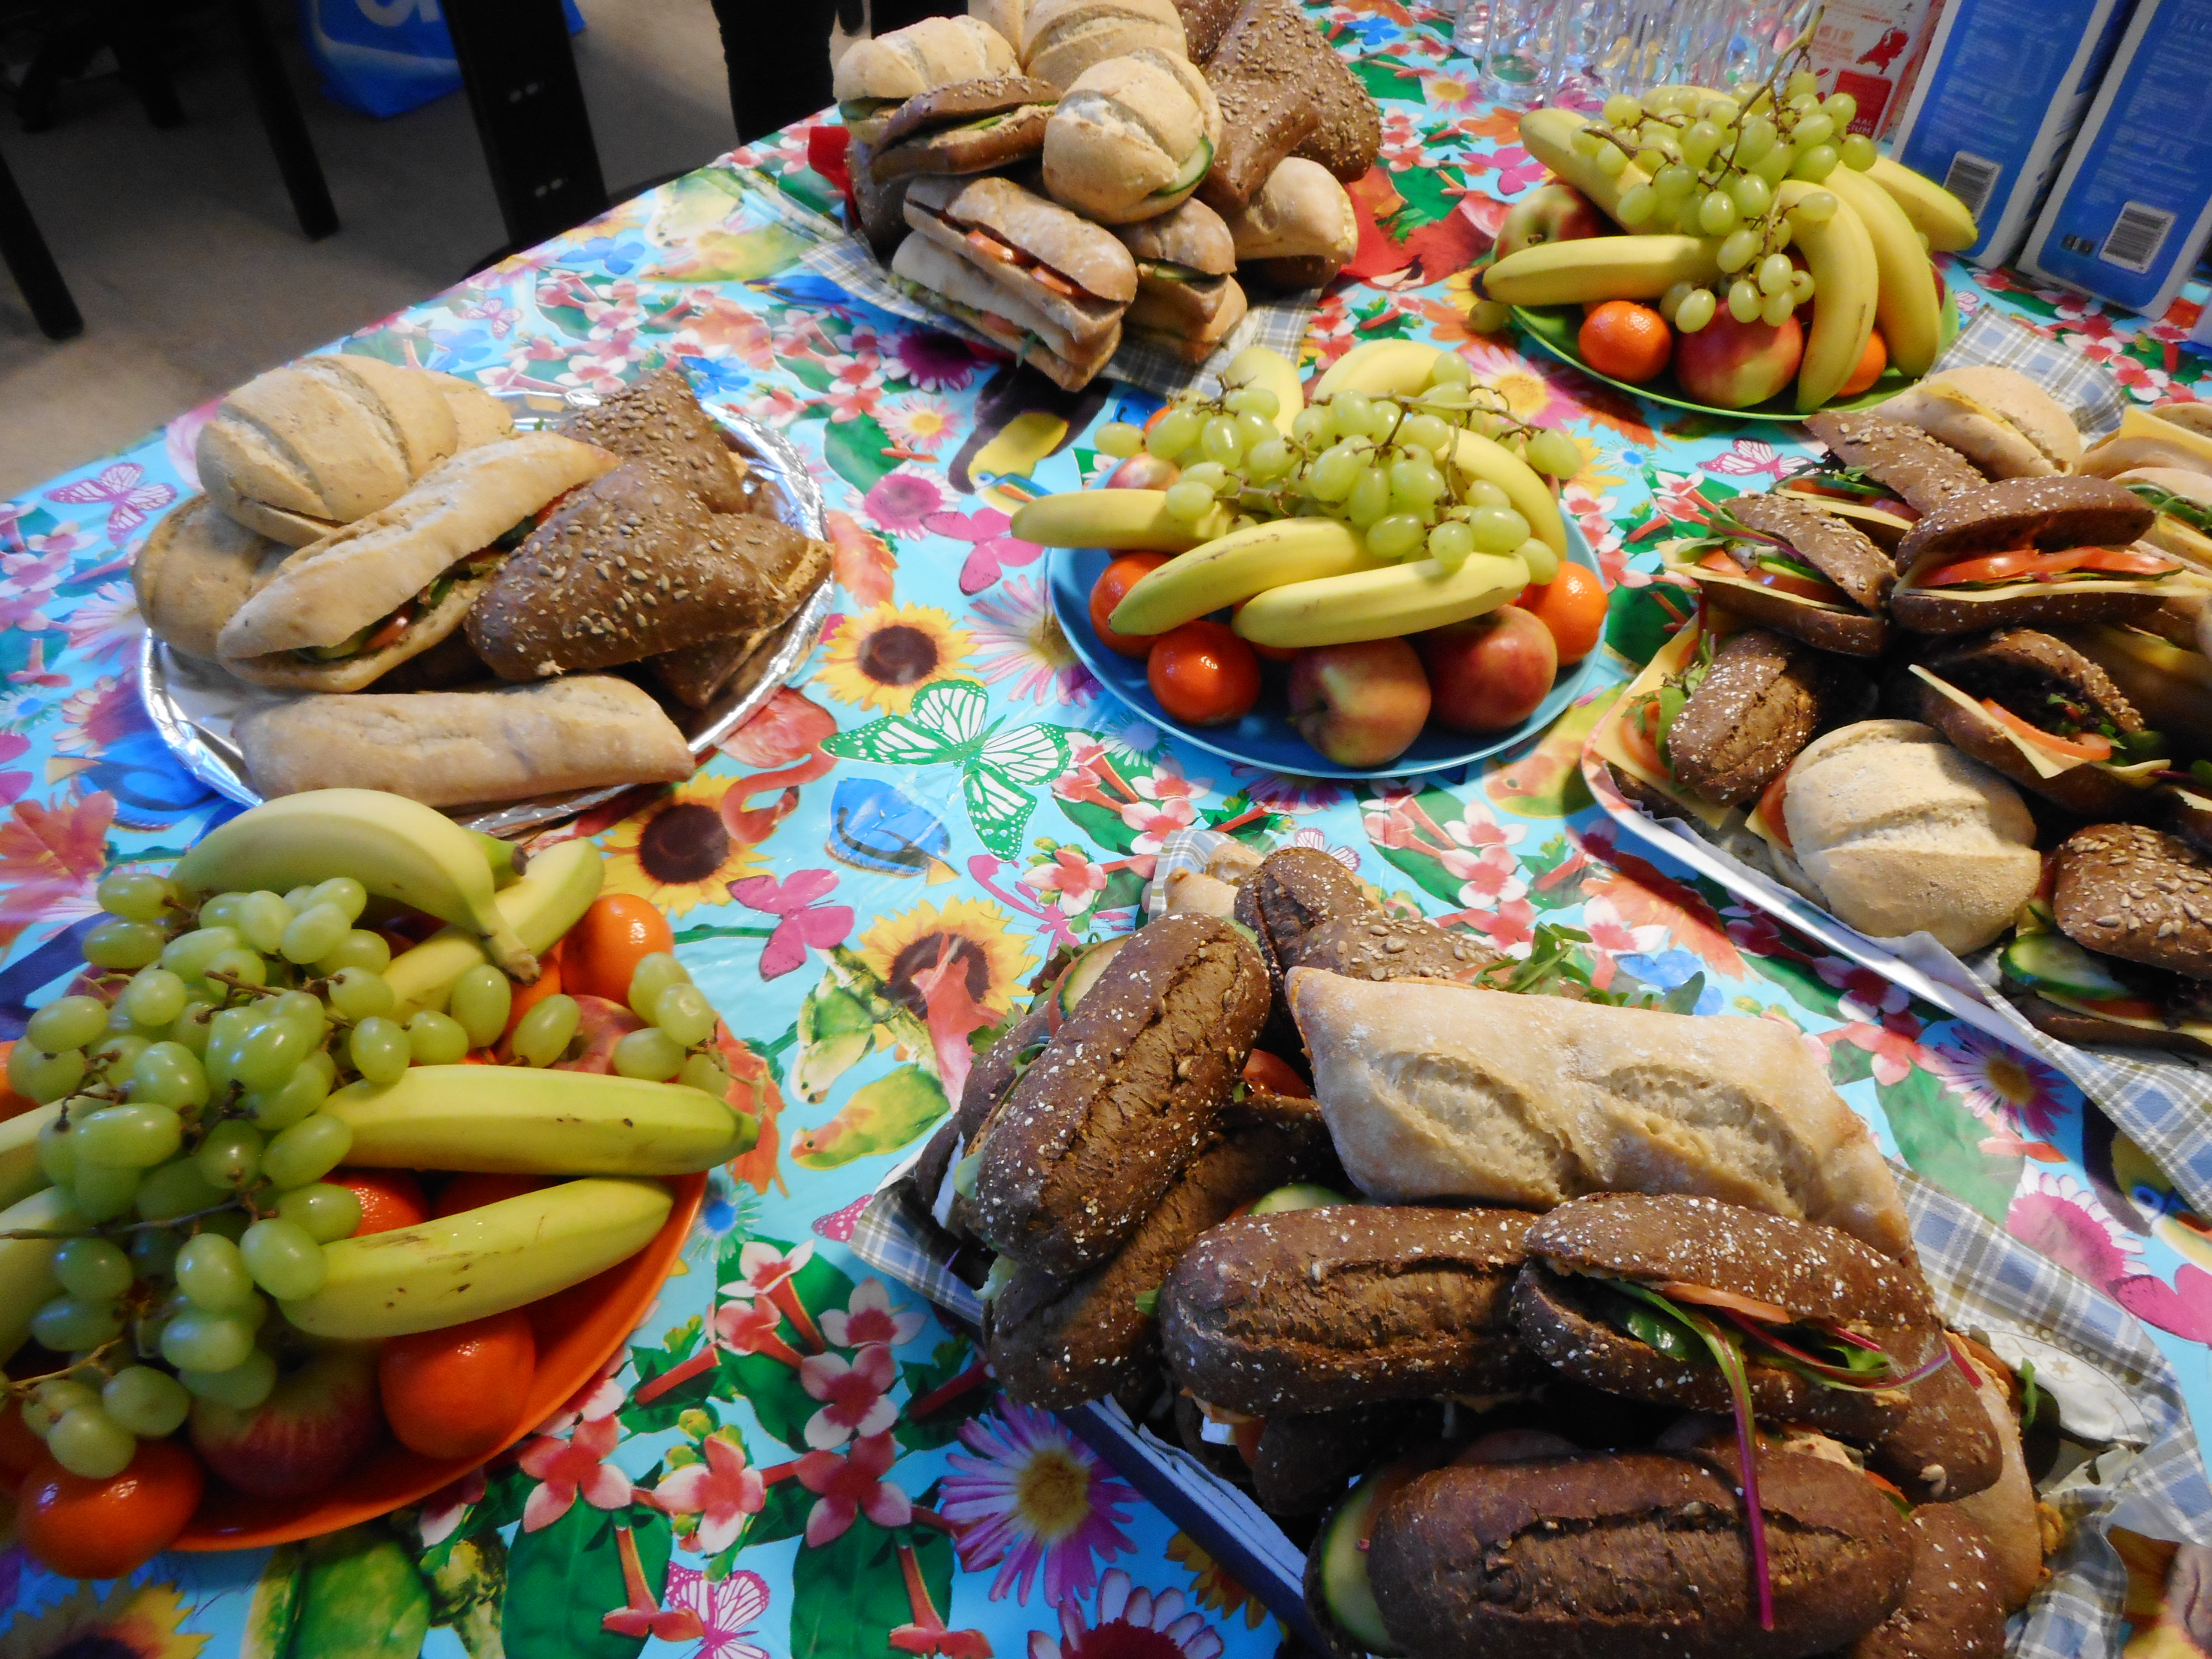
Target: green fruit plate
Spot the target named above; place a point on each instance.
(1555, 328)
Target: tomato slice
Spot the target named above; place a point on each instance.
(991, 248)
(2089, 746)
(2129, 561)
(395, 626)
(1637, 742)
(1989, 567)
(2125, 1008)
(1769, 807)
(1704, 1296)
(1798, 587)
(1059, 285)
(1720, 564)
(2026, 564)
(1248, 1439)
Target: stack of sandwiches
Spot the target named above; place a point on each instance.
(1556, 1327)
(2033, 620)
(1022, 128)
(448, 628)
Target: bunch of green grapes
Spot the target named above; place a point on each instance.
(193, 1066)
(1712, 165)
(1381, 463)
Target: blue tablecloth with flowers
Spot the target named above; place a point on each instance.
(793, 1458)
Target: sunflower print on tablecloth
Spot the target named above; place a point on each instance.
(680, 852)
(882, 658)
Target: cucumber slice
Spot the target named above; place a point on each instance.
(1084, 972)
(1200, 161)
(1299, 1195)
(1345, 1588)
(860, 109)
(2051, 959)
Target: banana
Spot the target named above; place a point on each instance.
(1384, 604)
(1906, 306)
(1373, 366)
(395, 847)
(1264, 366)
(1548, 135)
(1935, 213)
(1486, 458)
(549, 898)
(515, 1120)
(1235, 567)
(20, 1174)
(1601, 268)
(1846, 283)
(1116, 518)
(507, 858)
(27, 1265)
(480, 1261)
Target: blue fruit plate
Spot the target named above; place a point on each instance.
(1264, 738)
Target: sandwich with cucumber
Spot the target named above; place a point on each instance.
(2121, 952)
(1784, 562)
(1187, 296)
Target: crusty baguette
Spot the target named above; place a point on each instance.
(283, 671)
(198, 567)
(933, 52)
(461, 748)
(335, 587)
(1445, 1091)
(479, 417)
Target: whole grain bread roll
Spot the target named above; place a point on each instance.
(1123, 1097)
(1057, 1343)
(466, 748)
(1443, 1091)
(1295, 891)
(299, 451)
(658, 421)
(1943, 1451)
(1271, 41)
(198, 567)
(1950, 1608)
(1343, 1305)
(1634, 1555)
(1304, 1460)
(2138, 894)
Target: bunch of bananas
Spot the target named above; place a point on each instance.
(1403, 498)
(236, 1036)
(1714, 191)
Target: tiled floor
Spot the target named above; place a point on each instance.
(181, 248)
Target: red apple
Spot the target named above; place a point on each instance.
(1359, 704)
(1490, 672)
(1142, 471)
(316, 1422)
(1734, 365)
(1550, 213)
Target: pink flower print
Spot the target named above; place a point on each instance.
(567, 1467)
(1281, 794)
(1130, 1621)
(777, 406)
(1165, 802)
(601, 1397)
(106, 627)
(721, 1491)
(1474, 827)
(727, 1610)
(1510, 927)
(1611, 931)
(763, 1269)
(802, 923)
(1997, 1081)
(12, 514)
(1488, 877)
(1516, 170)
(2058, 1216)
(1867, 995)
(853, 1394)
(935, 362)
(1027, 1497)
(1072, 879)
(746, 1327)
(1402, 142)
(869, 1317)
(443, 1511)
(598, 370)
(1894, 1054)
(1314, 841)
(856, 383)
(130, 500)
(852, 1483)
(995, 551)
(2184, 1307)
(900, 501)
(101, 715)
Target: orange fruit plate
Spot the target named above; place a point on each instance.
(578, 1331)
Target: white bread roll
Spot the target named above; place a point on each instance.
(197, 568)
(1064, 38)
(1300, 228)
(1007, 16)
(462, 748)
(302, 450)
(1902, 834)
(326, 592)
(1436, 1090)
(478, 417)
(1997, 418)
(919, 58)
(1132, 137)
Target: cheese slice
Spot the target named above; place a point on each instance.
(1670, 660)
(2143, 440)
(1860, 510)
(2046, 764)
(1682, 564)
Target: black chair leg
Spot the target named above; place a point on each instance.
(279, 109)
(520, 72)
(33, 265)
(134, 32)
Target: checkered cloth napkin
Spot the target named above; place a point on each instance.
(2111, 1383)
(842, 258)
(2087, 389)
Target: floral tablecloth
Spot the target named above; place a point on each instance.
(792, 1458)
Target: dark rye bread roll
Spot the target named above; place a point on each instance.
(657, 420)
(1634, 1555)
(2050, 513)
(1759, 703)
(1346, 1305)
(1378, 946)
(1295, 891)
(1056, 1343)
(1924, 472)
(1123, 1097)
(1950, 1608)
(1945, 1448)
(2137, 893)
(1813, 1273)
(1305, 1460)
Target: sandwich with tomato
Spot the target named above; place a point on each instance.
(1712, 722)
(2032, 552)
(2121, 952)
(2031, 707)
(1025, 271)
(2183, 500)
(1781, 561)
